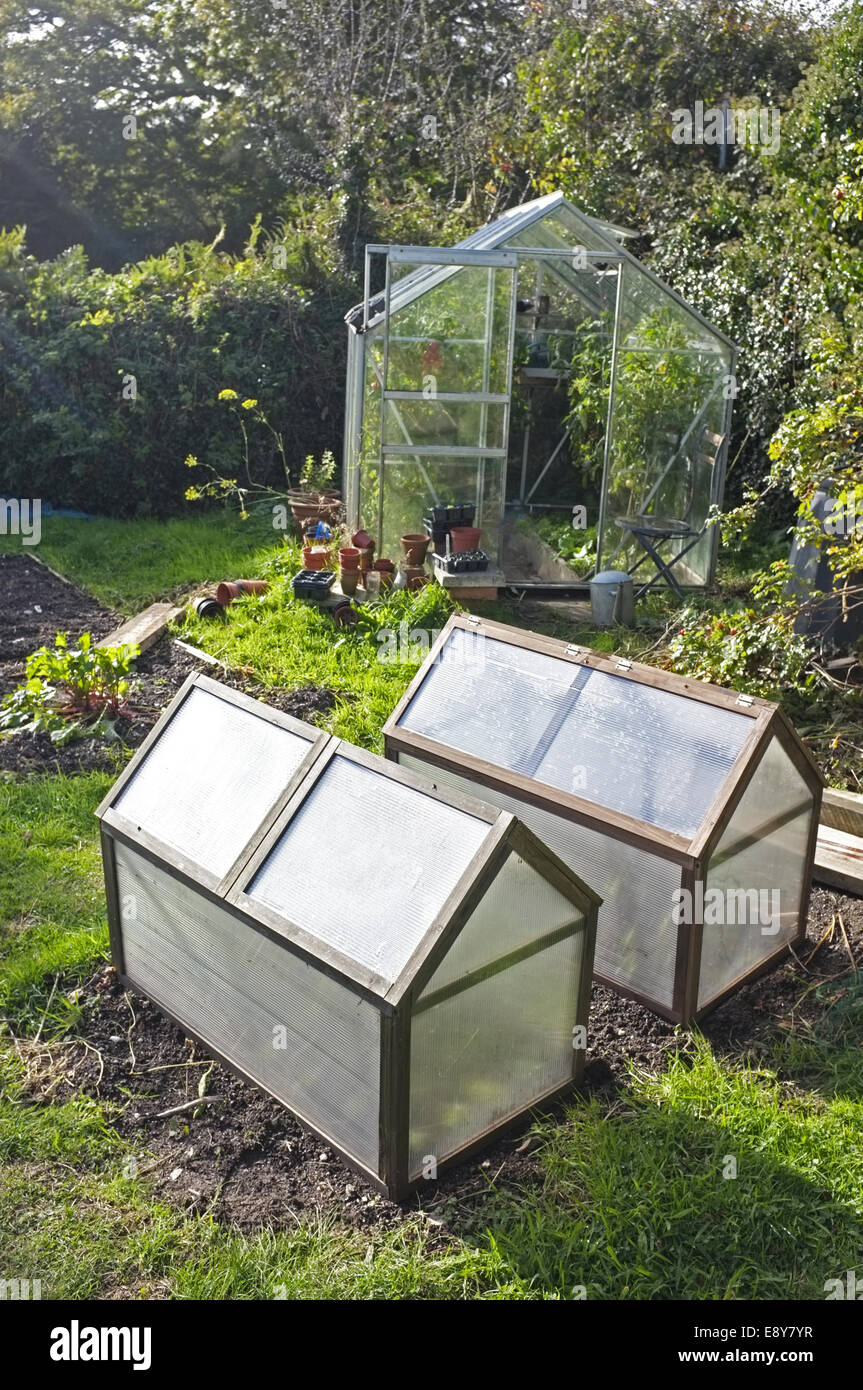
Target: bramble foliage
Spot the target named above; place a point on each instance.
(748, 648)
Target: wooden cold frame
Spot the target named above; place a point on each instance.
(393, 1001)
(691, 854)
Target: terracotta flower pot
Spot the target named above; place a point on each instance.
(362, 540)
(349, 557)
(315, 557)
(465, 538)
(231, 589)
(348, 579)
(386, 569)
(415, 547)
(314, 506)
(344, 615)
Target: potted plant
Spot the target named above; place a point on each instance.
(315, 499)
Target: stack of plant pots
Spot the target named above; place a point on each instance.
(412, 573)
(386, 570)
(349, 569)
(451, 528)
(366, 546)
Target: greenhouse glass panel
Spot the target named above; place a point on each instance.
(442, 481)
(302, 967)
(669, 395)
(630, 773)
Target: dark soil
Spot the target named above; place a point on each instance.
(243, 1158)
(38, 605)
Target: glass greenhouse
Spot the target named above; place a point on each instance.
(405, 969)
(537, 364)
(692, 810)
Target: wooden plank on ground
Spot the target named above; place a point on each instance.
(145, 628)
(839, 860)
(842, 811)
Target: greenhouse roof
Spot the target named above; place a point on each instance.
(501, 234)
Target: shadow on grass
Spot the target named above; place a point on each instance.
(703, 1183)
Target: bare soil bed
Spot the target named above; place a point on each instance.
(39, 604)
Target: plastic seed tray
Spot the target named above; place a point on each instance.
(313, 584)
(463, 561)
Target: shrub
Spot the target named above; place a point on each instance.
(110, 381)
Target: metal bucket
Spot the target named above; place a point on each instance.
(612, 598)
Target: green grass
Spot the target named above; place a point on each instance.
(287, 642)
(88, 1235)
(636, 1205)
(128, 564)
(631, 1202)
(52, 904)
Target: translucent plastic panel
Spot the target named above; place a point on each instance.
(446, 424)
(291, 1028)
(520, 907)
(650, 753)
(488, 1052)
(367, 864)
(210, 779)
(414, 483)
(754, 880)
(636, 940)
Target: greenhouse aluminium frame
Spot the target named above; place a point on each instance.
(681, 989)
(390, 1006)
(420, 430)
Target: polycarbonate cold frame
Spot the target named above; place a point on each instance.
(350, 901)
(648, 785)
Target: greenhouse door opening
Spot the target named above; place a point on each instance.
(543, 381)
(438, 387)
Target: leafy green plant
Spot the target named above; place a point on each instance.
(315, 476)
(753, 649)
(575, 545)
(70, 691)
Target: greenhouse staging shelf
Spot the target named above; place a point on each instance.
(473, 584)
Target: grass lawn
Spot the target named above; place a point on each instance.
(128, 564)
(635, 1197)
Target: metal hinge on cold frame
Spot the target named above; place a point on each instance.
(624, 664)
(474, 620)
(745, 700)
(572, 650)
